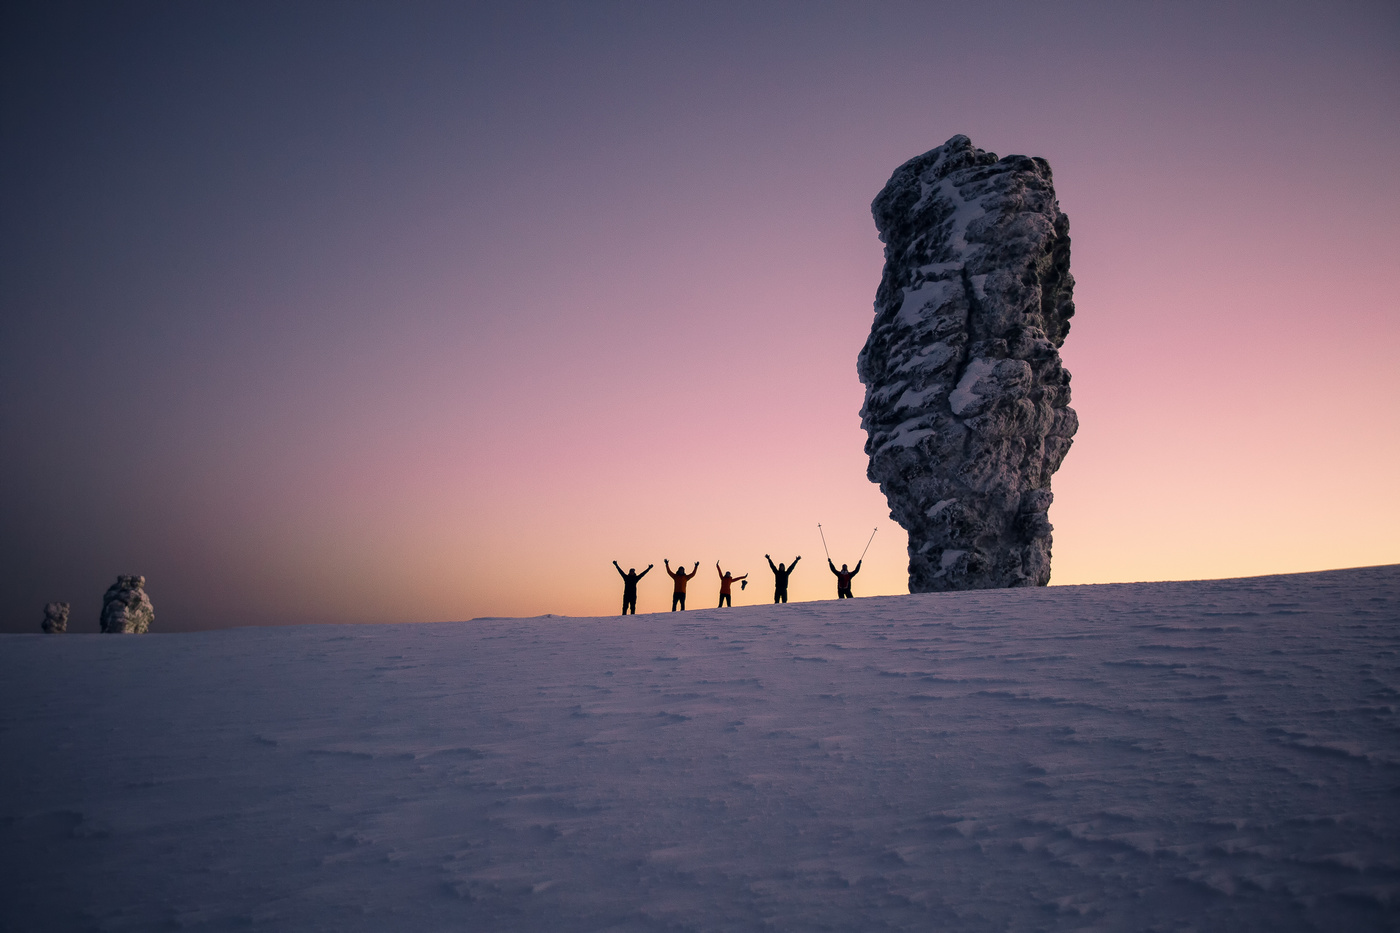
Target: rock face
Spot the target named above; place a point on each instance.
(966, 401)
(55, 618)
(126, 610)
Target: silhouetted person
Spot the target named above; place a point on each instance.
(780, 578)
(629, 586)
(725, 582)
(681, 578)
(843, 579)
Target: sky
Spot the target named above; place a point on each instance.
(359, 312)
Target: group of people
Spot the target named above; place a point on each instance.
(781, 573)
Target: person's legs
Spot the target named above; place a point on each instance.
(682, 596)
(629, 602)
(675, 597)
(724, 598)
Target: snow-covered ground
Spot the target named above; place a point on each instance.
(1220, 755)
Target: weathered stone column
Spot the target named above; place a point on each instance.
(966, 401)
(55, 618)
(126, 610)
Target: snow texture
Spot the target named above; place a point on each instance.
(966, 401)
(126, 609)
(1219, 755)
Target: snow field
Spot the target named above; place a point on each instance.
(1213, 755)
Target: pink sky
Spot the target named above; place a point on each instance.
(439, 321)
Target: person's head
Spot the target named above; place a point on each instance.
(727, 575)
(631, 569)
(781, 565)
(843, 566)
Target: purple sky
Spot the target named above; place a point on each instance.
(320, 312)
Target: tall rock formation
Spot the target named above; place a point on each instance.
(966, 401)
(55, 618)
(126, 609)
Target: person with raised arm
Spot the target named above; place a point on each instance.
(629, 586)
(780, 577)
(681, 578)
(725, 582)
(843, 579)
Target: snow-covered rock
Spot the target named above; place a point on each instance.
(126, 609)
(966, 401)
(55, 618)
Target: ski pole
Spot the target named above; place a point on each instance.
(823, 534)
(867, 544)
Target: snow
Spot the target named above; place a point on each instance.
(914, 399)
(907, 434)
(1219, 755)
(927, 294)
(965, 211)
(935, 270)
(979, 286)
(939, 506)
(964, 396)
(931, 357)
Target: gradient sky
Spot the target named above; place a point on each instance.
(382, 312)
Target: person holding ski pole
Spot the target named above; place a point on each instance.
(780, 577)
(681, 578)
(843, 579)
(725, 582)
(629, 586)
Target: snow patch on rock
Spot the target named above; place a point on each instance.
(966, 394)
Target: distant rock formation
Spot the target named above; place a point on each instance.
(966, 401)
(55, 618)
(126, 610)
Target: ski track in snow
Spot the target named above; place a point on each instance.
(1215, 755)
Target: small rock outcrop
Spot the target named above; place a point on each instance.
(966, 401)
(55, 618)
(126, 609)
